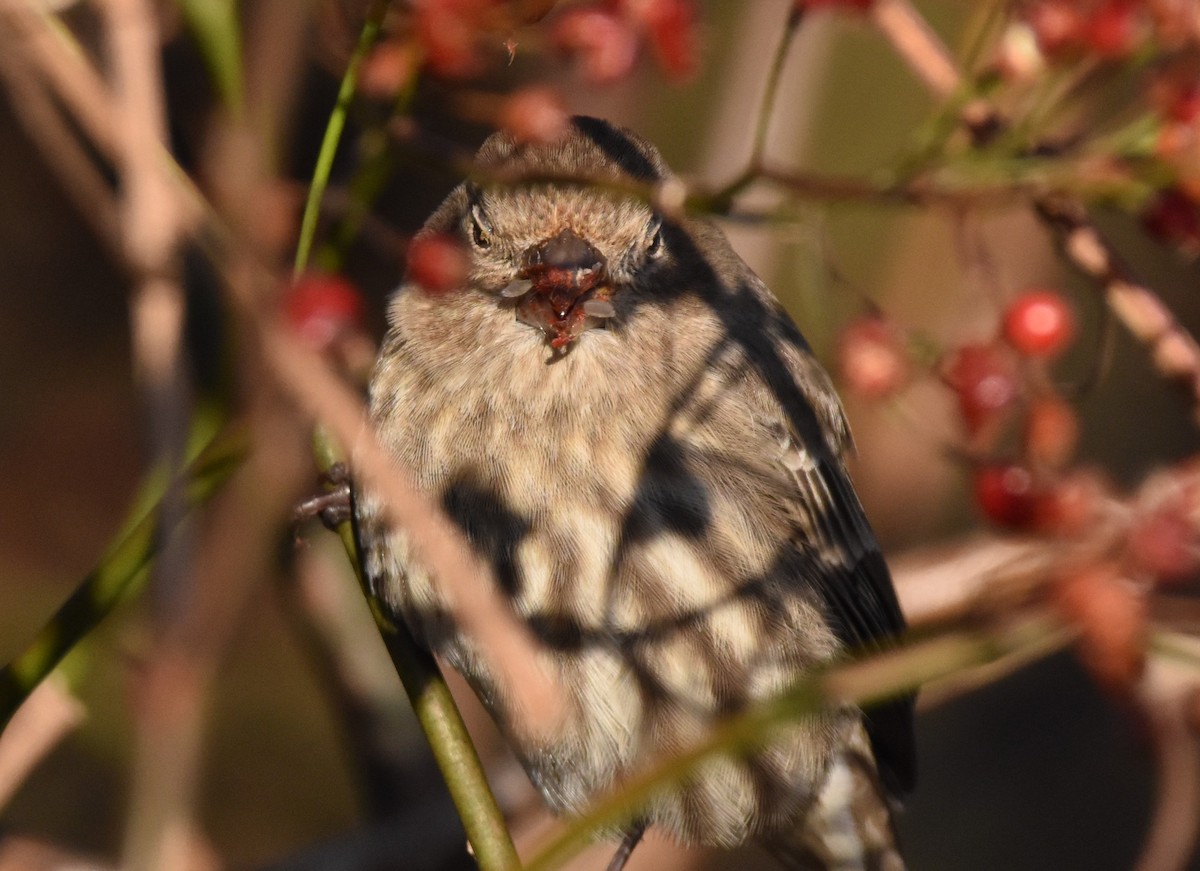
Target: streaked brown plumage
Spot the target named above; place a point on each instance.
(656, 478)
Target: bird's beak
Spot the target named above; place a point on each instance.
(566, 292)
(563, 268)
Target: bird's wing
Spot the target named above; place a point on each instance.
(853, 581)
(789, 400)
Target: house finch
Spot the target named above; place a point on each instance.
(630, 430)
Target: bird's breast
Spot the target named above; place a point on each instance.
(635, 544)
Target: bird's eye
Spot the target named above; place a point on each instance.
(481, 233)
(654, 247)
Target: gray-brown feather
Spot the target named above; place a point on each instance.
(655, 501)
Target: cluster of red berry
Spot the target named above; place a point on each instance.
(854, 5)
(322, 308)
(1071, 29)
(1062, 32)
(605, 37)
(1000, 386)
(1173, 215)
(458, 39)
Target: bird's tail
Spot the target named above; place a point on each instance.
(849, 826)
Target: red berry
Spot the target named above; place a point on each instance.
(1111, 618)
(871, 358)
(1184, 107)
(604, 43)
(1051, 432)
(449, 31)
(1039, 323)
(388, 68)
(1059, 26)
(437, 263)
(1172, 217)
(671, 25)
(1112, 30)
(855, 5)
(1072, 506)
(1007, 495)
(1164, 544)
(984, 379)
(534, 114)
(323, 307)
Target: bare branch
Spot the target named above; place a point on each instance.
(47, 716)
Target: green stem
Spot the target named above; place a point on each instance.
(333, 133)
(378, 161)
(216, 29)
(766, 111)
(722, 199)
(117, 575)
(438, 715)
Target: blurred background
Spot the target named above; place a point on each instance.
(1037, 770)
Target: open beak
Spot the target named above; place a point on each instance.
(566, 294)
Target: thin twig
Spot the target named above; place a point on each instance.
(1173, 350)
(152, 222)
(66, 68)
(723, 197)
(465, 580)
(48, 715)
(333, 132)
(375, 715)
(79, 178)
(436, 711)
(1176, 822)
(118, 573)
(915, 41)
(169, 718)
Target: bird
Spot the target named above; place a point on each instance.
(632, 433)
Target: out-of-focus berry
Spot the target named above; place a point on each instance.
(1068, 29)
(388, 68)
(854, 5)
(1179, 102)
(871, 358)
(1114, 28)
(1164, 543)
(535, 114)
(1007, 495)
(1111, 619)
(1051, 432)
(604, 43)
(984, 379)
(1039, 323)
(449, 31)
(671, 27)
(1172, 217)
(322, 308)
(1059, 25)
(1073, 505)
(437, 263)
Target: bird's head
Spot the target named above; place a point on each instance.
(557, 232)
